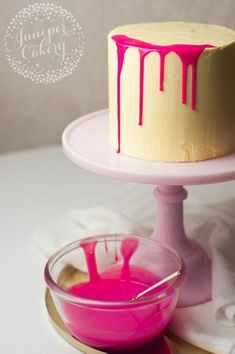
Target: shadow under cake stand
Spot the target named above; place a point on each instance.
(85, 142)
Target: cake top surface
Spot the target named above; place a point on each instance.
(166, 33)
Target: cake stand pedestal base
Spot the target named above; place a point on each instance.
(169, 229)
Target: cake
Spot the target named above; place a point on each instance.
(172, 91)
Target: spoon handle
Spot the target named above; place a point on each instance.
(156, 285)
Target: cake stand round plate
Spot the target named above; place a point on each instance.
(172, 344)
(86, 143)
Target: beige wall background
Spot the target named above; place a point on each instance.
(35, 115)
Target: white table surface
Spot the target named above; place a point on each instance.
(38, 187)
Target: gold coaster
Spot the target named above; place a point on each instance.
(177, 345)
(59, 326)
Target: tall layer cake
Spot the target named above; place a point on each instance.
(172, 91)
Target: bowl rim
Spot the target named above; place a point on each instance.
(63, 293)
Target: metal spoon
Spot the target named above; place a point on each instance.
(156, 285)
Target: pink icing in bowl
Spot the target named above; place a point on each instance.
(99, 310)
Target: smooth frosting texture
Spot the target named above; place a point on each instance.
(200, 125)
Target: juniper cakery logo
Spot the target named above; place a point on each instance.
(44, 43)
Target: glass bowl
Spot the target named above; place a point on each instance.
(107, 318)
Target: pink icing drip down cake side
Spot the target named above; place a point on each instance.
(187, 53)
(188, 118)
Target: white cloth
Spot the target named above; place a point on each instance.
(210, 326)
(84, 222)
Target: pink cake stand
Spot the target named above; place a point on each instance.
(85, 142)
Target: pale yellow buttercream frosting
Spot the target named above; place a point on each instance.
(172, 131)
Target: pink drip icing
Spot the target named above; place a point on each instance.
(194, 89)
(89, 251)
(141, 83)
(162, 70)
(188, 54)
(116, 252)
(106, 245)
(128, 248)
(184, 82)
(120, 53)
